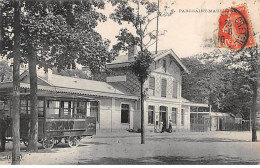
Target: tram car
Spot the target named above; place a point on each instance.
(58, 118)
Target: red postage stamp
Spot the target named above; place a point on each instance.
(235, 31)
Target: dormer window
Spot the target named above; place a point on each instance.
(164, 65)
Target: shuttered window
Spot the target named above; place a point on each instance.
(175, 90)
(150, 114)
(125, 113)
(174, 115)
(151, 86)
(163, 88)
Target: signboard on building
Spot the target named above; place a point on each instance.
(116, 78)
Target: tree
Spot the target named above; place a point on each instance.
(245, 66)
(74, 73)
(217, 84)
(16, 84)
(131, 12)
(56, 34)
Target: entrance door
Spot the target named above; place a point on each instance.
(163, 118)
(220, 124)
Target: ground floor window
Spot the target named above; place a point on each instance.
(125, 113)
(174, 115)
(150, 114)
(182, 116)
(94, 109)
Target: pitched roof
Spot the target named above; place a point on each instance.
(65, 84)
(190, 103)
(122, 60)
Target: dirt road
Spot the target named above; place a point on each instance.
(166, 148)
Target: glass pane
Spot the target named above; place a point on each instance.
(40, 103)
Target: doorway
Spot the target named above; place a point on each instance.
(163, 118)
(220, 124)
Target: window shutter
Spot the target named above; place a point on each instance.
(175, 90)
(151, 83)
(163, 88)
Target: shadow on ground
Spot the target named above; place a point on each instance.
(199, 139)
(168, 160)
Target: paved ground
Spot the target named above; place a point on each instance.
(160, 148)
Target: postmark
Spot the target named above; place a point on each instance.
(235, 31)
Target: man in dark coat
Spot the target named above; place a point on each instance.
(3, 127)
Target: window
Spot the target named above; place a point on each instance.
(174, 115)
(175, 90)
(163, 88)
(40, 108)
(66, 109)
(125, 113)
(94, 109)
(151, 86)
(80, 109)
(164, 65)
(53, 108)
(150, 114)
(182, 116)
(26, 107)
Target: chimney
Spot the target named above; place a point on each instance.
(45, 75)
(132, 52)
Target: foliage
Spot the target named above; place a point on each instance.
(5, 71)
(59, 33)
(139, 14)
(73, 73)
(223, 79)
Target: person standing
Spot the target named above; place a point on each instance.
(3, 127)
(170, 126)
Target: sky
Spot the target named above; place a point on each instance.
(186, 31)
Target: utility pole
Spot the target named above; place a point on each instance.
(16, 84)
(157, 27)
(210, 121)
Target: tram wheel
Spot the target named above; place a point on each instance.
(73, 142)
(57, 141)
(48, 143)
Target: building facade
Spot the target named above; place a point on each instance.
(164, 102)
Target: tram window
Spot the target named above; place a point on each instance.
(66, 109)
(53, 108)
(40, 108)
(23, 106)
(80, 109)
(29, 107)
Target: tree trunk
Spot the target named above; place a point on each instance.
(33, 139)
(253, 111)
(16, 86)
(142, 115)
(255, 87)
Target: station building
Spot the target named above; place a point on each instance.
(113, 97)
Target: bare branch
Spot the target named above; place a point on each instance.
(149, 23)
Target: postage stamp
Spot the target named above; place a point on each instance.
(235, 30)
